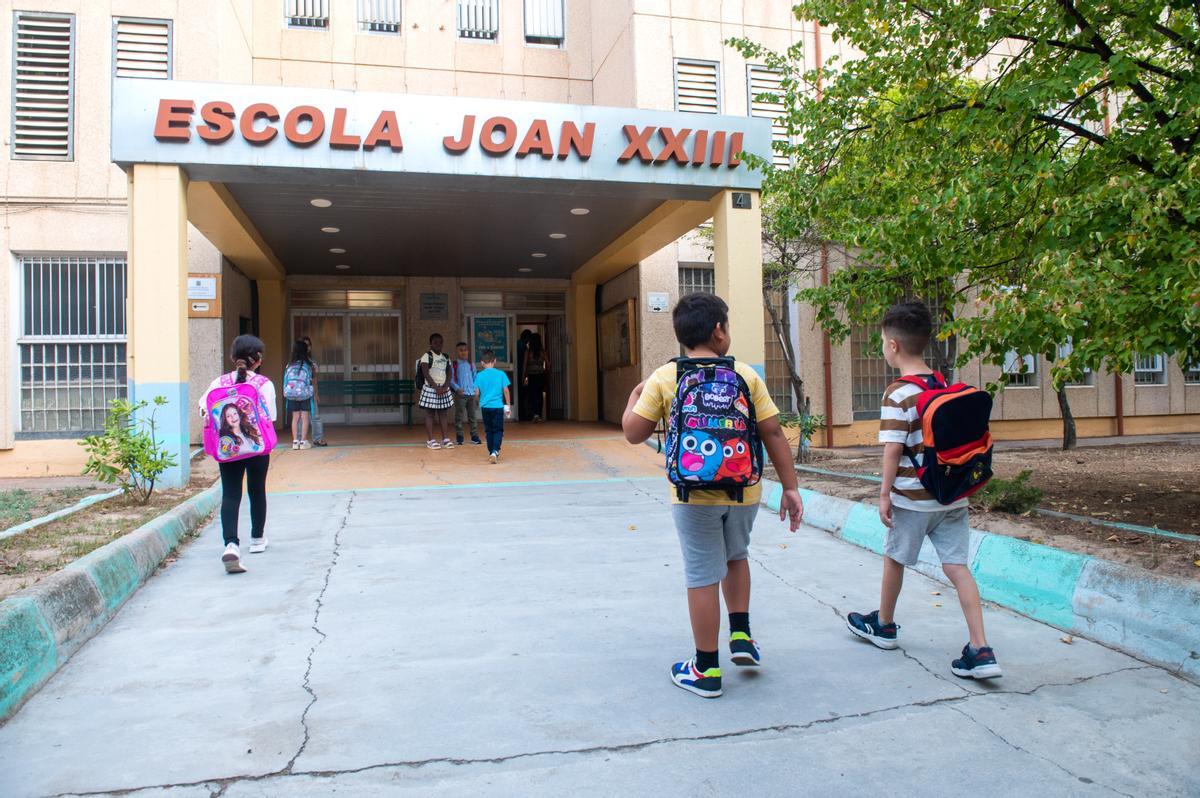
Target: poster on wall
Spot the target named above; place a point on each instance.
(618, 342)
(491, 332)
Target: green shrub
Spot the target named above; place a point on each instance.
(1014, 496)
(127, 453)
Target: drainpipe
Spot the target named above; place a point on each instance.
(826, 347)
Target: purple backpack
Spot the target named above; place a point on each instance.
(237, 424)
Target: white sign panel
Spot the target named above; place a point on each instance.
(202, 288)
(658, 301)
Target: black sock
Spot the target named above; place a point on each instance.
(706, 660)
(739, 622)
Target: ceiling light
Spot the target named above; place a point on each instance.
(558, 235)
(331, 229)
(537, 254)
(580, 211)
(337, 251)
(342, 266)
(525, 269)
(320, 203)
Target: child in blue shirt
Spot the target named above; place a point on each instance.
(494, 402)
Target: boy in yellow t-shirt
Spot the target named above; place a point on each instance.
(714, 529)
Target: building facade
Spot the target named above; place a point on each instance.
(167, 188)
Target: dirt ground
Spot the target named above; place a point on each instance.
(1155, 485)
(19, 505)
(30, 556)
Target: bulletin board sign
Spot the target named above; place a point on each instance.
(491, 332)
(618, 338)
(204, 296)
(435, 307)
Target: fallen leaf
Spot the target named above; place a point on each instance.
(783, 545)
(1113, 539)
(1196, 563)
(632, 528)
(937, 605)
(936, 593)
(1068, 639)
(1164, 690)
(1039, 541)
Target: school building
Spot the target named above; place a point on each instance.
(367, 172)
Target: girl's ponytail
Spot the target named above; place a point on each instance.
(246, 353)
(241, 369)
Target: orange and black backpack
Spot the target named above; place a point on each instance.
(957, 459)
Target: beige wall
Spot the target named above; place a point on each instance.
(619, 382)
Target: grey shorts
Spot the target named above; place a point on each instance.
(711, 536)
(947, 530)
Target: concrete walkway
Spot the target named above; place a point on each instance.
(513, 638)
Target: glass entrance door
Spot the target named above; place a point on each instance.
(358, 356)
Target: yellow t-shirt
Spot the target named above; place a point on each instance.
(655, 405)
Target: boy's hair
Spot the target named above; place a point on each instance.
(434, 337)
(911, 324)
(461, 343)
(488, 356)
(696, 316)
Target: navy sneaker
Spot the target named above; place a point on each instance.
(459, 440)
(743, 650)
(706, 684)
(981, 665)
(475, 440)
(868, 627)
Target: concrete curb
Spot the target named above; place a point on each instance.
(42, 626)
(1154, 618)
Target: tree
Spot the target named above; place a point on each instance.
(1032, 164)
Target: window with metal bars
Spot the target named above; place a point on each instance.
(778, 376)
(71, 342)
(43, 86)
(544, 22)
(697, 86)
(1191, 373)
(697, 279)
(1150, 370)
(379, 16)
(870, 375)
(312, 14)
(141, 48)
(479, 19)
(764, 88)
(1022, 370)
(1088, 378)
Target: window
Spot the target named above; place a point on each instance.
(778, 376)
(697, 279)
(1150, 370)
(544, 22)
(141, 48)
(479, 19)
(697, 86)
(307, 14)
(1064, 351)
(1021, 370)
(765, 99)
(72, 342)
(43, 86)
(1191, 373)
(379, 16)
(870, 375)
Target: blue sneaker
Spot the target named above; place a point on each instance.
(705, 684)
(868, 627)
(980, 665)
(743, 650)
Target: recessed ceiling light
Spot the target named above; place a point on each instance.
(580, 211)
(537, 254)
(558, 235)
(331, 229)
(337, 251)
(320, 203)
(525, 269)
(342, 266)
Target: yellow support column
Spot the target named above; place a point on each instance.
(737, 255)
(156, 314)
(581, 316)
(272, 328)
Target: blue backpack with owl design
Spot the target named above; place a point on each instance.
(712, 432)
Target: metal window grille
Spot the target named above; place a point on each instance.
(1064, 351)
(479, 19)
(142, 48)
(1150, 370)
(1191, 374)
(43, 86)
(306, 13)
(544, 22)
(697, 86)
(764, 88)
(870, 375)
(779, 382)
(72, 342)
(697, 279)
(1021, 370)
(379, 16)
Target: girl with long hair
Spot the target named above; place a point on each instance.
(537, 367)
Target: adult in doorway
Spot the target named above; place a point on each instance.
(433, 375)
(318, 426)
(537, 366)
(523, 413)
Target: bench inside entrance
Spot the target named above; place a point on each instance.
(374, 394)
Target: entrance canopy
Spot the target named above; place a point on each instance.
(431, 185)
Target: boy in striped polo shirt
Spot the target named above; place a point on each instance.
(908, 511)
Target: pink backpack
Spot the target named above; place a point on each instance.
(237, 425)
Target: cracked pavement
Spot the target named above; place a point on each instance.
(516, 640)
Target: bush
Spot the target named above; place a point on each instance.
(1014, 496)
(127, 452)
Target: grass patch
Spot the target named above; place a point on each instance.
(1015, 496)
(18, 506)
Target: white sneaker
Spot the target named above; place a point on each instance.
(305, 445)
(493, 458)
(258, 545)
(295, 444)
(232, 558)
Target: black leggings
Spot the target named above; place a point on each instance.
(255, 471)
(537, 391)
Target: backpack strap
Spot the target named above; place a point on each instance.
(931, 383)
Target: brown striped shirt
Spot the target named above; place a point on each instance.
(900, 423)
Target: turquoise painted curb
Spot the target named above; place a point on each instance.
(1035, 580)
(862, 527)
(41, 626)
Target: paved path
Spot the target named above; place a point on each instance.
(489, 640)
